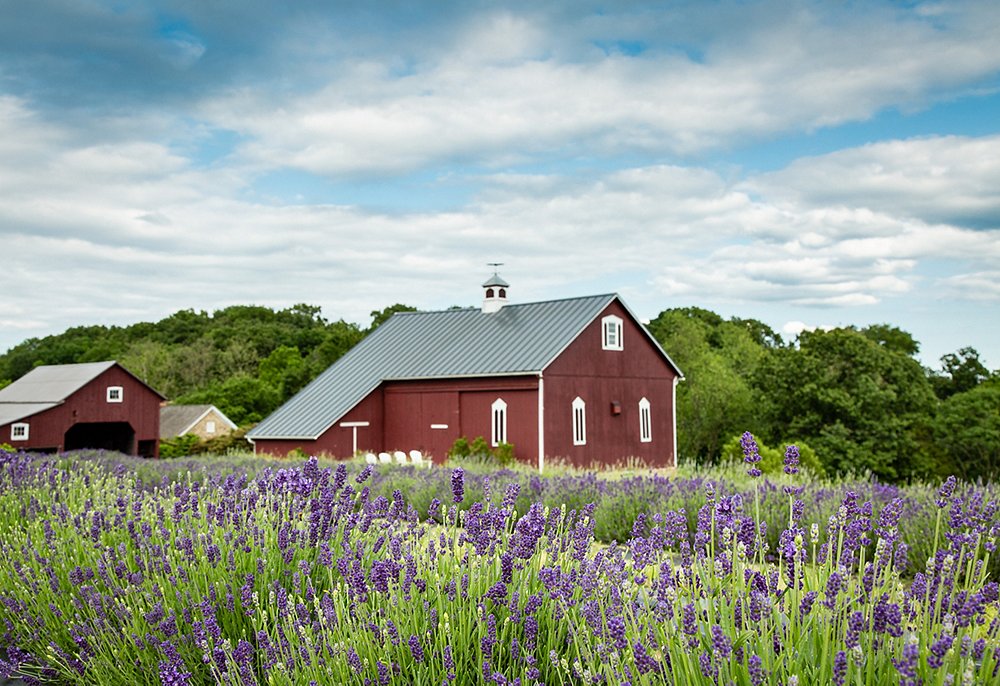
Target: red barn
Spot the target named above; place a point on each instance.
(579, 379)
(54, 408)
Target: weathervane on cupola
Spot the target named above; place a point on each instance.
(495, 291)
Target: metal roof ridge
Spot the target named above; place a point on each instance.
(509, 305)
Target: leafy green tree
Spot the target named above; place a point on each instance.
(150, 361)
(284, 370)
(183, 327)
(892, 338)
(960, 372)
(244, 399)
(337, 340)
(718, 357)
(380, 316)
(966, 432)
(859, 403)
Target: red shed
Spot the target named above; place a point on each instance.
(579, 379)
(54, 408)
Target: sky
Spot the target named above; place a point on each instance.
(807, 164)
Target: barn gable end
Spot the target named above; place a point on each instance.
(625, 388)
(91, 405)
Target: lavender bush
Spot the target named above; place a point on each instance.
(115, 572)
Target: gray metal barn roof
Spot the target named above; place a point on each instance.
(45, 387)
(518, 339)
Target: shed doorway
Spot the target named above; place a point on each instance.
(117, 436)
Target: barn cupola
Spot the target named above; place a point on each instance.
(494, 294)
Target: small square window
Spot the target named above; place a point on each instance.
(116, 394)
(19, 432)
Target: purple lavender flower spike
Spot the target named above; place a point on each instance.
(756, 670)
(947, 488)
(907, 665)
(938, 651)
(791, 459)
(751, 454)
(415, 649)
(839, 668)
(458, 484)
(722, 647)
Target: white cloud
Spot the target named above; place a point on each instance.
(138, 213)
(946, 179)
(110, 218)
(507, 88)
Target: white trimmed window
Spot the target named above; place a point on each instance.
(611, 330)
(579, 422)
(210, 427)
(498, 433)
(19, 431)
(645, 422)
(116, 394)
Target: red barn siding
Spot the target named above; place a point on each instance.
(140, 409)
(601, 377)
(402, 416)
(465, 406)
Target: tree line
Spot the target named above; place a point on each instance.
(855, 398)
(245, 360)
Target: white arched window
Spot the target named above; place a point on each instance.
(498, 434)
(579, 422)
(645, 422)
(611, 333)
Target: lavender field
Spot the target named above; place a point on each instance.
(248, 571)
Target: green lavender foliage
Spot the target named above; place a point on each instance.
(255, 572)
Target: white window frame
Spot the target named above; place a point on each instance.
(645, 422)
(210, 426)
(611, 333)
(20, 431)
(116, 394)
(579, 421)
(498, 425)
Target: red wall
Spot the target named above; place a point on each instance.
(601, 377)
(401, 413)
(465, 405)
(140, 409)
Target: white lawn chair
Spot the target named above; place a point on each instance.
(400, 456)
(370, 458)
(385, 458)
(416, 458)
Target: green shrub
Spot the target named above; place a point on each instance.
(460, 448)
(479, 446)
(479, 451)
(180, 446)
(772, 460)
(504, 454)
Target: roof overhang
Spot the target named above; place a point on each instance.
(13, 412)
